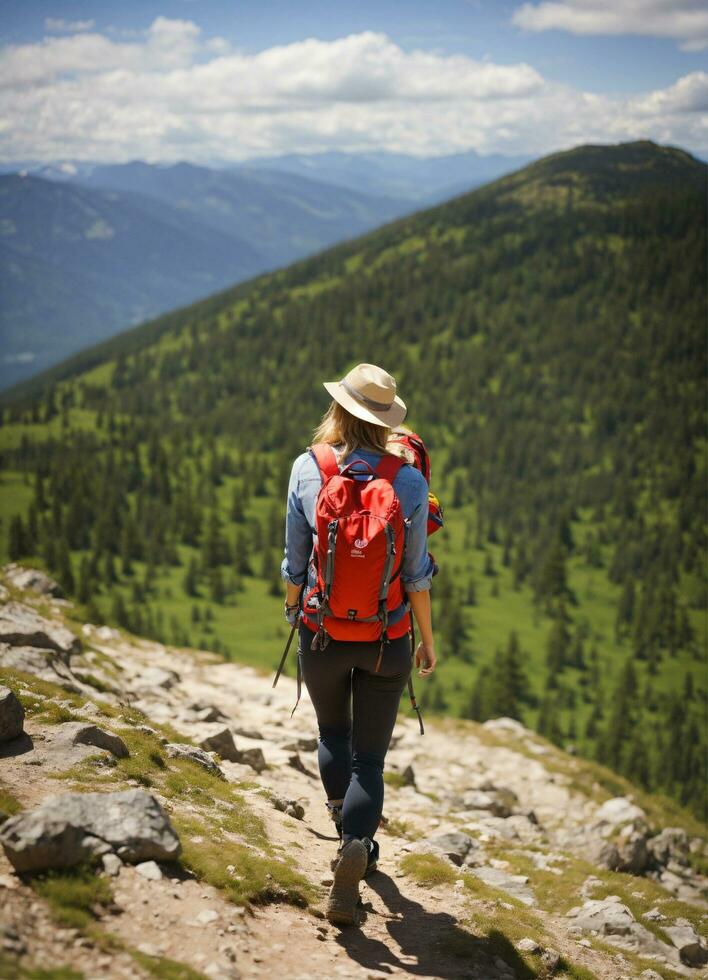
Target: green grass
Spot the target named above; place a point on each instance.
(9, 804)
(259, 878)
(163, 968)
(76, 897)
(428, 870)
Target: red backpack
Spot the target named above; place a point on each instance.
(361, 536)
(359, 552)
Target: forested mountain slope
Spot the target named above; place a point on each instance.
(547, 332)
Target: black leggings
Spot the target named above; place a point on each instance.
(356, 711)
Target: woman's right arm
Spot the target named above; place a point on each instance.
(416, 576)
(425, 656)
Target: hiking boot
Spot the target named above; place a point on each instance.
(344, 894)
(372, 850)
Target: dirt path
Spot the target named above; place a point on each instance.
(443, 928)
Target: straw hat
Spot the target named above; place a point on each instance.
(369, 393)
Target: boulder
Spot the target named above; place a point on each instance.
(32, 578)
(632, 851)
(516, 885)
(610, 918)
(253, 758)
(303, 743)
(22, 626)
(497, 802)
(47, 665)
(617, 811)
(149, 870)
(179, 750)
(455, 845)
(12, 715)
(692, 949)
(66, 830)
(111, 864)
(218, 738)
(82, 733)
(155, 677)
(209, 713)
(671, 844)
(505, 724)
(606, 916)
(528, 945)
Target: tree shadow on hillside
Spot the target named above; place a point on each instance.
(430, 944)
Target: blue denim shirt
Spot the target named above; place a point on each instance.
(412, 491)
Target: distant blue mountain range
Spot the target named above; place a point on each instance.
(88, 250)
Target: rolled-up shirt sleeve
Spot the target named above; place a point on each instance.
(298, 534)
(418, 566)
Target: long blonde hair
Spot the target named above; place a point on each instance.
(339, 427)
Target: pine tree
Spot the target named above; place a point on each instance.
(190, 581)
(17, 546)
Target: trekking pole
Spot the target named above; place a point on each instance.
(285, 652)
(411, 693)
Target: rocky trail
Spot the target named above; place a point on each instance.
(163, 817)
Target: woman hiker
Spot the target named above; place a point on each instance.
(355, 683)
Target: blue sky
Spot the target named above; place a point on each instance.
(214, 81)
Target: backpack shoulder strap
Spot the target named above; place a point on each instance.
(388, 467)
(326, 460)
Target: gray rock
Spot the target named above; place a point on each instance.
(156, 677)
(654, 915)
(218, 738)
(22, 626)
(528, 945)
(612, 919)
(291, 807)
(301, 744)
(111, 864)
(33, 578)
(505, 724)
(516, 885)
(179, 750)
(455, 845)
(12, 715)
(634, 858)
(65, 830)
(692, 949)
(617, 811)
(497, 802)
(671, 844)
(607, 916)
(253, 758)
(210, 713)
(81, 733)
(149, 870)
(47, 665)
(408, 776)
(550, 959)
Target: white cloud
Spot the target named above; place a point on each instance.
(685, 21)
(171, 94)
(55, 25)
